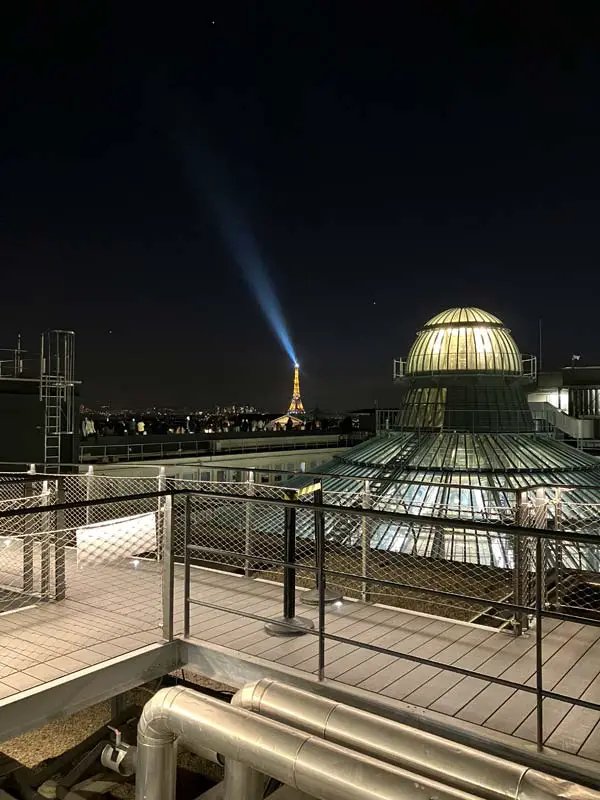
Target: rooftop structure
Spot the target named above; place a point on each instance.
(431, 527)
(464, 372)
(570, 400)
(111, 605)
(465, 340)
(464, 443)
(38, 397)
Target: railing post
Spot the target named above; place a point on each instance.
(161, 502)
(289, 624)
(289, 579)
(519, 568)
(168, 569)
(539, 682)
(47, 528)
(162, 484)
(89, 478)
(60, 580)
(558, 550)
(28, 549)
(186, 567)
(365, 543)
(320, 560)
(321, 593)
(248, 524)
(49, 534)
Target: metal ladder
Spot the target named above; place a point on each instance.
(57, 392)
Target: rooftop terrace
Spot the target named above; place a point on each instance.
(111, 584)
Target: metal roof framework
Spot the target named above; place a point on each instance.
(463, 476)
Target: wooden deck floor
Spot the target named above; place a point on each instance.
(112, 611)
(571, 655)
(109, 611)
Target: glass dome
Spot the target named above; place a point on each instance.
(464, 340)
(453, 315)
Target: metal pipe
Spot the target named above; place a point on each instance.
(321, 769)
(434, 757)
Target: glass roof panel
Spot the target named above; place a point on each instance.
(461, 475)
(457, 315)
(469, 348)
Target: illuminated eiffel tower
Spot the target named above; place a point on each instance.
(296, 406)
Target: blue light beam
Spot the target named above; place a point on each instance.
(243, 247)
(208, 174)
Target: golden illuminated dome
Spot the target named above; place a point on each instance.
(464, 340)
(453, 315)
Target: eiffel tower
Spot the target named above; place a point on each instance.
(296, 405)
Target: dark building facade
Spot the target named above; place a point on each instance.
(39, 421)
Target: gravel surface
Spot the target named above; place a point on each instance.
(53, 739)
(59, 735)
(204, 683)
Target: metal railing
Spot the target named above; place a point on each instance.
(16, 364)
(72, 537)
(136, 450)
(427, 417)
(528, 366)
(537, 566)
(588, 444)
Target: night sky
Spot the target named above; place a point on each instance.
(390, 165)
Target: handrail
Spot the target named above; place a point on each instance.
(321, 570)
(515, 605)
(26, 477)
(528, 367)
(575, 427)
(139, 450)
(456, 523)
(379, 581)
(364, 479)
(451, 420)
(429, 662)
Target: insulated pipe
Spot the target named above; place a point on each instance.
(323, 770)
(436, 758)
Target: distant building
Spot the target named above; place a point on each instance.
(39, 417)
(575, 391)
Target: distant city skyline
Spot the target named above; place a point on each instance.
(233, 408)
